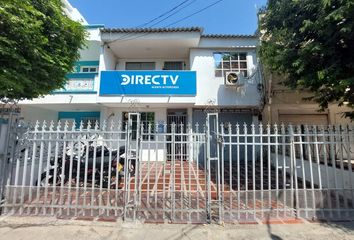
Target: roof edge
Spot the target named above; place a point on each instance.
(229, 36)
(93, 26)
(151, 30)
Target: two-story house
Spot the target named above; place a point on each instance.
(166, 74)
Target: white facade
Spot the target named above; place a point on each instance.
(195, 51)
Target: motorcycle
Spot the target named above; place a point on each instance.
(93, 167)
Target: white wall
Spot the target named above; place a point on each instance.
(63, 98)
(91, 52)
(211, 87)
(107, 59)
(336, 179)
(32, 114)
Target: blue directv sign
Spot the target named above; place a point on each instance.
(148, 83)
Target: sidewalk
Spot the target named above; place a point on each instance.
(25, 228)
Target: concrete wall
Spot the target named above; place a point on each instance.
(91, 52)
(107, 59)
(336, 178)
(32, 114)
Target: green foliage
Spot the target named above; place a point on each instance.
(312, 43)
(38, 45)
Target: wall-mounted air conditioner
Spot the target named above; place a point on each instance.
(234, 79)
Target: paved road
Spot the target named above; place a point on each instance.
(26, 228)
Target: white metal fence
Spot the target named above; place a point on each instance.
(213, 172)
(9, 116)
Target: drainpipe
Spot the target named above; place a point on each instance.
(270, 98)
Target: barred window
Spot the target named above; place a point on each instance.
(230, 61)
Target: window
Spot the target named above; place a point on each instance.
(139, 66)
(230, 61)
(146, 118)
(89, 69)
(173, 66)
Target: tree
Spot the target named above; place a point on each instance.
(38, 45)
(311, 42)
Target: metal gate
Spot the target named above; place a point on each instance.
(232, 173)
(179, 119)
(9, 118)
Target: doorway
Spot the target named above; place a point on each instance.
(177, 134)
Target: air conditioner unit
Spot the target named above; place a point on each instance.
(234, 79)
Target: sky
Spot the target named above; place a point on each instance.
(225, 17)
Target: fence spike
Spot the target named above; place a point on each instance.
(66, 125)
(104, 125)
(81, 126)
(44, 125)
(89, 125)
(36, 126)
(51, 126)
(96, 125)
(229, 128)
(253, 128)
(59, 126)
(276, 128)
(73, 126)
(245, 128)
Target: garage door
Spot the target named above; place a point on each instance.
(312, 119)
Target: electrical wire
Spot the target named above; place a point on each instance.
(191, 15)
(164, 14)
(173, 23)
(125, 36)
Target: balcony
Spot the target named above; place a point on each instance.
(79, 83)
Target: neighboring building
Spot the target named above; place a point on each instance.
(73, 13)
(284, 105)
(167, 74)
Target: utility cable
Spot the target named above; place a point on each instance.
(180, 20)
(125, 36)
